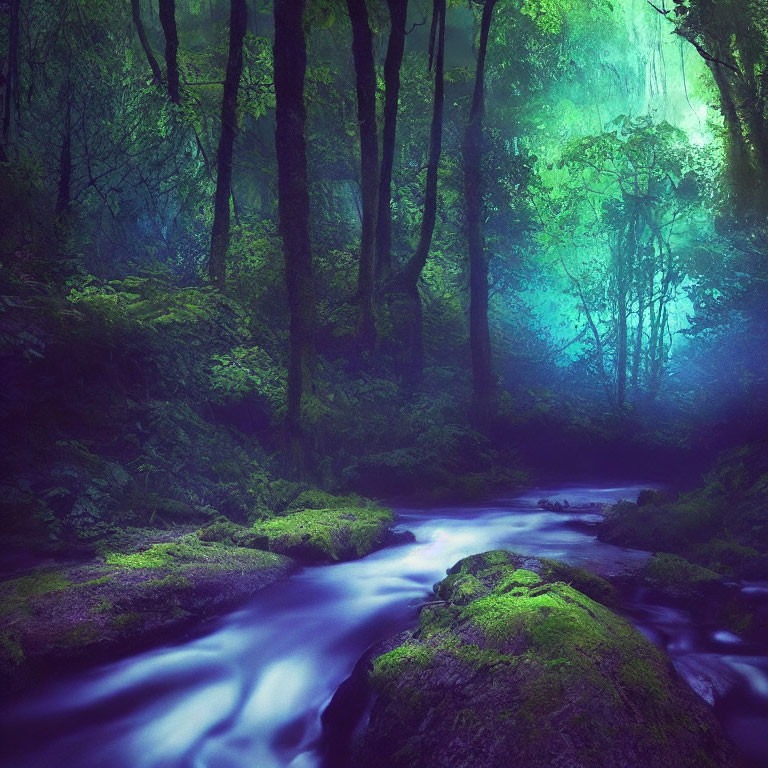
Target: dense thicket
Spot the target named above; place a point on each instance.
(382, 246)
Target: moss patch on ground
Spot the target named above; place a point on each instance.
(519, 667)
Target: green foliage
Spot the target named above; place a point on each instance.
(722, 525)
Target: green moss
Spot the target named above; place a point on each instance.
(640, 676)
(80, 635)
(529, 662)
(496, 557)
(391, 665)
(154, 557)
(673, 571)
(102, 606)
(11, 652)
(476, 657)
(16, 592)
(337, 534)
(126, 621)
(189, 551)
(173, 581)
(520, 577)
(317, 499)
(581, 579)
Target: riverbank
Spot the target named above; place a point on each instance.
(150, 585)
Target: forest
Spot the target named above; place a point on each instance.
(384, 383)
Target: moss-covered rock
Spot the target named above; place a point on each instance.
(518, 668)
(675, 574)
(341, 532)
(121, 602)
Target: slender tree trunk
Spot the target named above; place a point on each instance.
(638, 351)
(365, 75)
(479, 334)
(217, 262)
(599, 352)
(63, 195)
(408, 280)
(620, 257)
(290, 55)
(11, 86)
(157, 75)
(398, 12)
(168, 22)
(621, 350)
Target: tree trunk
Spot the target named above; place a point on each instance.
(398, 12)
(625, 245)
(168, 22)
(157, 75)
(11, 87)
(365, 75)
(217, 262)
(638, 351)
(408, 280)
(290, 55)
(63, 195)
(479, 334)
(621, 349)
(742, 176)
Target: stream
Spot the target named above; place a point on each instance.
(249, 692)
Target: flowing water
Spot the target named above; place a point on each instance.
(249, 692)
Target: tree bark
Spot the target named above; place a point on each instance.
(11, 86)
(742, 176)
(168, 22)
(398, 12)
(408, 279)
(479, 334)
(217, 262)
(365, 76)
(157, 75)
(290, 55)
(638, 350)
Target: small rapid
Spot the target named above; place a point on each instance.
(248, 690)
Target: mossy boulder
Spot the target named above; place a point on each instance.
(342, 532)
(55, 616)
(518, 668)
(676, 575)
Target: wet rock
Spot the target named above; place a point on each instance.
(54, 618)
(516, 667)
